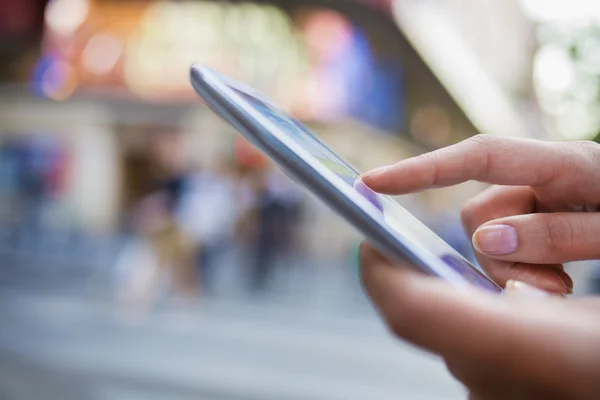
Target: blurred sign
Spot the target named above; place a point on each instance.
(315, 64)
(254, 43)
(147, 47)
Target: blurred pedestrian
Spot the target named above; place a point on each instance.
(155, 225)
(208, 214)
(160, 254)
(277, 211)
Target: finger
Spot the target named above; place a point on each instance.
(541, 238)
(578, 186)
(586, 303)
(548, 277)
(504, 201)
(485, 158)
(497, 202)
(533, 339)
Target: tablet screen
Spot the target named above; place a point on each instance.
(394, 215)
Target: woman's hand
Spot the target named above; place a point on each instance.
(526, 345)
(537, 220)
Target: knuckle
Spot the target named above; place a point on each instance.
(580, 156)
(560, 234)
(569, 151)
(431, 159)
(426, 156)
(586, 162)
(483, 140)
(586, 147)
(482, 148)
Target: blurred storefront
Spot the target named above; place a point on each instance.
(322, 61)
(113, 75)
(304, 58)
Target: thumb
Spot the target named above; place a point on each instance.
(541, 238)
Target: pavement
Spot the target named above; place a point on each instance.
(318, 344)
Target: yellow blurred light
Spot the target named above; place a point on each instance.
(101, 54)
(65, 16)
(252, 42)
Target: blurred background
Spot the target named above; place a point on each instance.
(148, 252)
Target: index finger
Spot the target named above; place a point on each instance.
(485, 158)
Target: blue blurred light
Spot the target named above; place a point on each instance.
(49, 76)
(373, 89)
(39, 70)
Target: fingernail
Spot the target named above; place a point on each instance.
(496, 240)
(566, 279)
(521, 289)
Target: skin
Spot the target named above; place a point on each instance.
(527, 344)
